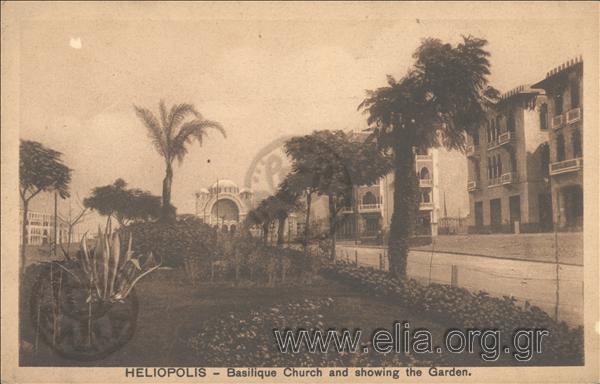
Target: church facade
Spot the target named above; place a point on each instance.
(224, 204)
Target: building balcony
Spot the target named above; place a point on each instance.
(574, 115)
(425, 183)
(508, 178)
(503, 139)
(557, 121)
(571, 165)
(494, 182)
(369, 207)
(472, 185)
(423, 161)
(347, 210)
(423, 206)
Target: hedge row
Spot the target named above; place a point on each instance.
(458, 307)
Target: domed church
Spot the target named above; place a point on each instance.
(223, 204)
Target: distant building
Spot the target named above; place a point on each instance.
(564, 120)
(508, 166)
(223, 204)
(376, 204)
(40, 228)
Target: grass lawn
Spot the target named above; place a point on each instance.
(172, 312)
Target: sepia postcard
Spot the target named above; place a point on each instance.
(299, 192)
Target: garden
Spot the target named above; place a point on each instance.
(214, 299)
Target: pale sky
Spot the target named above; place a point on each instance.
(260, 78)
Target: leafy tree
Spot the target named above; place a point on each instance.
(284, 202)
(123, 204)
(301, 182)
(262, 215)
(41, 169)
(441, 98)
(273, 208)
(333, 163)
(170, 136)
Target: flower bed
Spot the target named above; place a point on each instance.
(458, 307)
(247, 339)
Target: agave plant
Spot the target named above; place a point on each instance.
(109, 274)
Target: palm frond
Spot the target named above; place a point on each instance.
(177, 115)
(195, 129)
(155, 131)
(163, 112)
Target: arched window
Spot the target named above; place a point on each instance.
(488, 131)
(558, 104)
(498, 129)
(574, 93)
(576, 140)
(476, 169)
(560, 147)
(499, 164)
(513, 161)
(424, 174)
(369, 198)
(425, 198)
(510, 123)
(544, 116)
(493, 131)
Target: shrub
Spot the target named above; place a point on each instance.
(459, 307)
(177, 242)
(206, 254)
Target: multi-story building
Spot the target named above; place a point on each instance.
(40, 228)
(564, 117)
(508, 166)
(375, 203)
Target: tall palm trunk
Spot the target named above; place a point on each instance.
(167, 212)
(403, 217)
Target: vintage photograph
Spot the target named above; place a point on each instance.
(327, 191)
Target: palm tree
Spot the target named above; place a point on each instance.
(170, 136)
(440, 101)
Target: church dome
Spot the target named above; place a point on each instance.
(245, 190)
(225, 185)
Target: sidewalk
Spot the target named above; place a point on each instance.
(528, 247)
